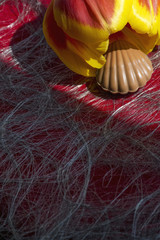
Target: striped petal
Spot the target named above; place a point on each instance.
(144, 42)
(91, 20)
(76, 55)
(145, 16)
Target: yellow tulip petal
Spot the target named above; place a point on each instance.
(141, 41)
(63, 47)
(122, 9)
(78, 23)
(91, 21)
(145, 16)
(91, 54)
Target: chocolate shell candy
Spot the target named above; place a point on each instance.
(126, 69)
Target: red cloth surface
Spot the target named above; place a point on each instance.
(116, 185)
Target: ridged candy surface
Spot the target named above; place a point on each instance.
(126, 69)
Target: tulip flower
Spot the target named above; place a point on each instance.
(80, 31)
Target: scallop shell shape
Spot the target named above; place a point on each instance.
(126, 69)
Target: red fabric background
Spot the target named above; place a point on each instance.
(118, 180)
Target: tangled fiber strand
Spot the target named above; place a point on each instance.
(75, 163)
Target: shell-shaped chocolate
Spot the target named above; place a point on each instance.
(126, 69)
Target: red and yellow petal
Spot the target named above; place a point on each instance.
(91, 21)
(75, 55)
(89, 53)
(145, 16)
(144, 42)
(122, 9)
